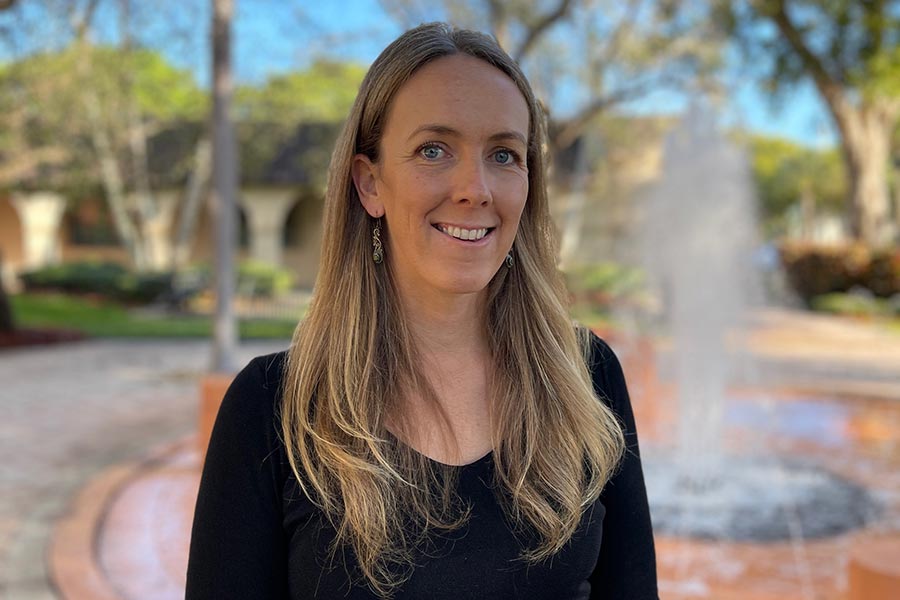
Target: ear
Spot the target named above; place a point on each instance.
(365, 178)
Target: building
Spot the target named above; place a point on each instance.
(282, 179)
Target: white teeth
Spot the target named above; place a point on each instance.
(464, 234)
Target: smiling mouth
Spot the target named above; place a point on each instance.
(466, 235)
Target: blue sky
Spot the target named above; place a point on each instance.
(274, 36)
(359, 29)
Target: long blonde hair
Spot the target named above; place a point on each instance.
(353, 358)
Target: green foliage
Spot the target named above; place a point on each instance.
(855, 42)
(76, 278)
(103, 279)
(783, 171)
(606, 284)
(323, 92)
(54, 82)
(855, 304)
(254, 278)
(261, 279)
(162, 91)
(43, 100)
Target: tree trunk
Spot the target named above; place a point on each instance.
(224, 188)
(865, 127)
(110, 173)
(897, 193)
(807, 211)
(145, 204)
(866, 137)
(190, 208)
(7, 323)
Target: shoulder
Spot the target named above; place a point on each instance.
(254, 395)
(262, 375)
(265, 371)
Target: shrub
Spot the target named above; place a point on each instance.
(261, 279)
(814, 270)
(99, 278)
(144, 288)
(883, 275)
(104, 279)
(602, 285)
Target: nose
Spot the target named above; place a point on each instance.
(471, 183)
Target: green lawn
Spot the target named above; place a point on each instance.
(107, 319)
(894, 325)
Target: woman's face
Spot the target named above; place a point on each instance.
(451, 179)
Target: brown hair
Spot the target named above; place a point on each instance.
(555, 443)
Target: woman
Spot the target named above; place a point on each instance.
(438, 429)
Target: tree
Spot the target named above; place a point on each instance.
(787, 174)
(224, 188)
(7, 323)
(586, 58)
(85, 111)
(324, 91)
(43, 131)
(850, 50)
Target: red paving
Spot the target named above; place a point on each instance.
(128, 534)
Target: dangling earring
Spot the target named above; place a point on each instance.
(378, 249)
(509, 260)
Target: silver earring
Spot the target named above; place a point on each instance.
(378, 249)
(509, 260)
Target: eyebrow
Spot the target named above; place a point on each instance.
(445, 130)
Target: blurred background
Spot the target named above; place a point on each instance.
(724, 175)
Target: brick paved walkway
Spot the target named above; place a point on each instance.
(99, 435)
(70, 412)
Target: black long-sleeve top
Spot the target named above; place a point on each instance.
(256, 535)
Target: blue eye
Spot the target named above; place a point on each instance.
(505, 157)
(431, 151)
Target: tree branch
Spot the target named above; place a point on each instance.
(571, 128)
(826, 82)
(5, 4)
(621, 33)
(82, 23)
(828, 85)
(23, 165)
(535, 32)
(497, 16)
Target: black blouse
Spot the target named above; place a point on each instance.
(255, 534)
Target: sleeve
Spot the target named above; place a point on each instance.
(626, 566)
(238, 548)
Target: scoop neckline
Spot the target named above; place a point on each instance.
(483, 459)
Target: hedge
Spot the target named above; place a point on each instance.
(814, 269)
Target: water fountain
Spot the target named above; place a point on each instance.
(721, 476)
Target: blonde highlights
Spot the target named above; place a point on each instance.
(353, 358)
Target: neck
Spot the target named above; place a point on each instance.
(446, 324)
(451, 338)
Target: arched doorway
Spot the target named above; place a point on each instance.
(302, 238)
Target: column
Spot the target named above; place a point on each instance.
(40, 214)
(266, 212)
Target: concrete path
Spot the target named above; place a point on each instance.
(67, 413)
(826, 354)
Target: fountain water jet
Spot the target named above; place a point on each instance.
(698, 243)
